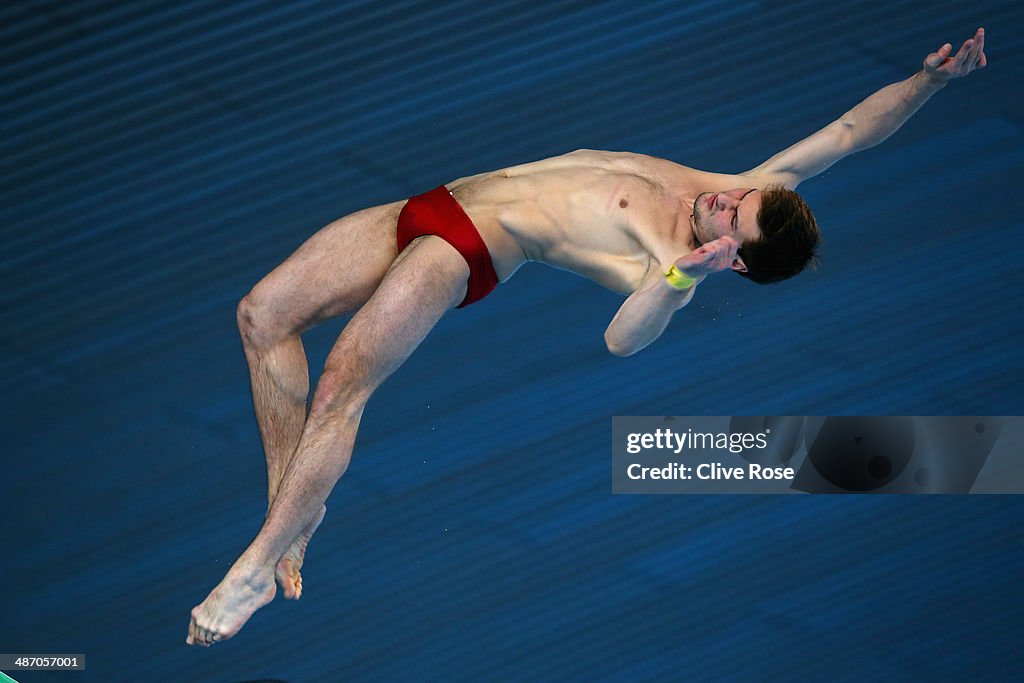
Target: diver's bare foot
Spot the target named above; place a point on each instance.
(287, 571)
(228, 606)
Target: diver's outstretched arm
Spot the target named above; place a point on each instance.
(874, 119)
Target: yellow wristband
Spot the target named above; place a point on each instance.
(678, 279)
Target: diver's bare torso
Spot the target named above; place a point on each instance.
(601, 215)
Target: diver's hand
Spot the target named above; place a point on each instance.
(940, 67)
(709, 258)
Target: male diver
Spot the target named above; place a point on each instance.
(638, 225)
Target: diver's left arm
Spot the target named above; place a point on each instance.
(645, 314)
(874, 119)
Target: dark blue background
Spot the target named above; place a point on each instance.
(159, 158)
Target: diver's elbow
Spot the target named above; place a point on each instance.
(619, 350)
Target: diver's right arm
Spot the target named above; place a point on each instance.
(874, 119)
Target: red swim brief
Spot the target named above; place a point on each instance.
(437, 213)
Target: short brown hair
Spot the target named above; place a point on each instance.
(789, 238)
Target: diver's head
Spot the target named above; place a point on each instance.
(776, 230)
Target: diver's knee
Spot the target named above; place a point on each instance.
(258, 324)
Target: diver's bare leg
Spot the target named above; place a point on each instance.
(427, 279)
(332, 273)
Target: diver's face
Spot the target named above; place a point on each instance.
(732, 213)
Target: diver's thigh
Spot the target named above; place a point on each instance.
(332, 273)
